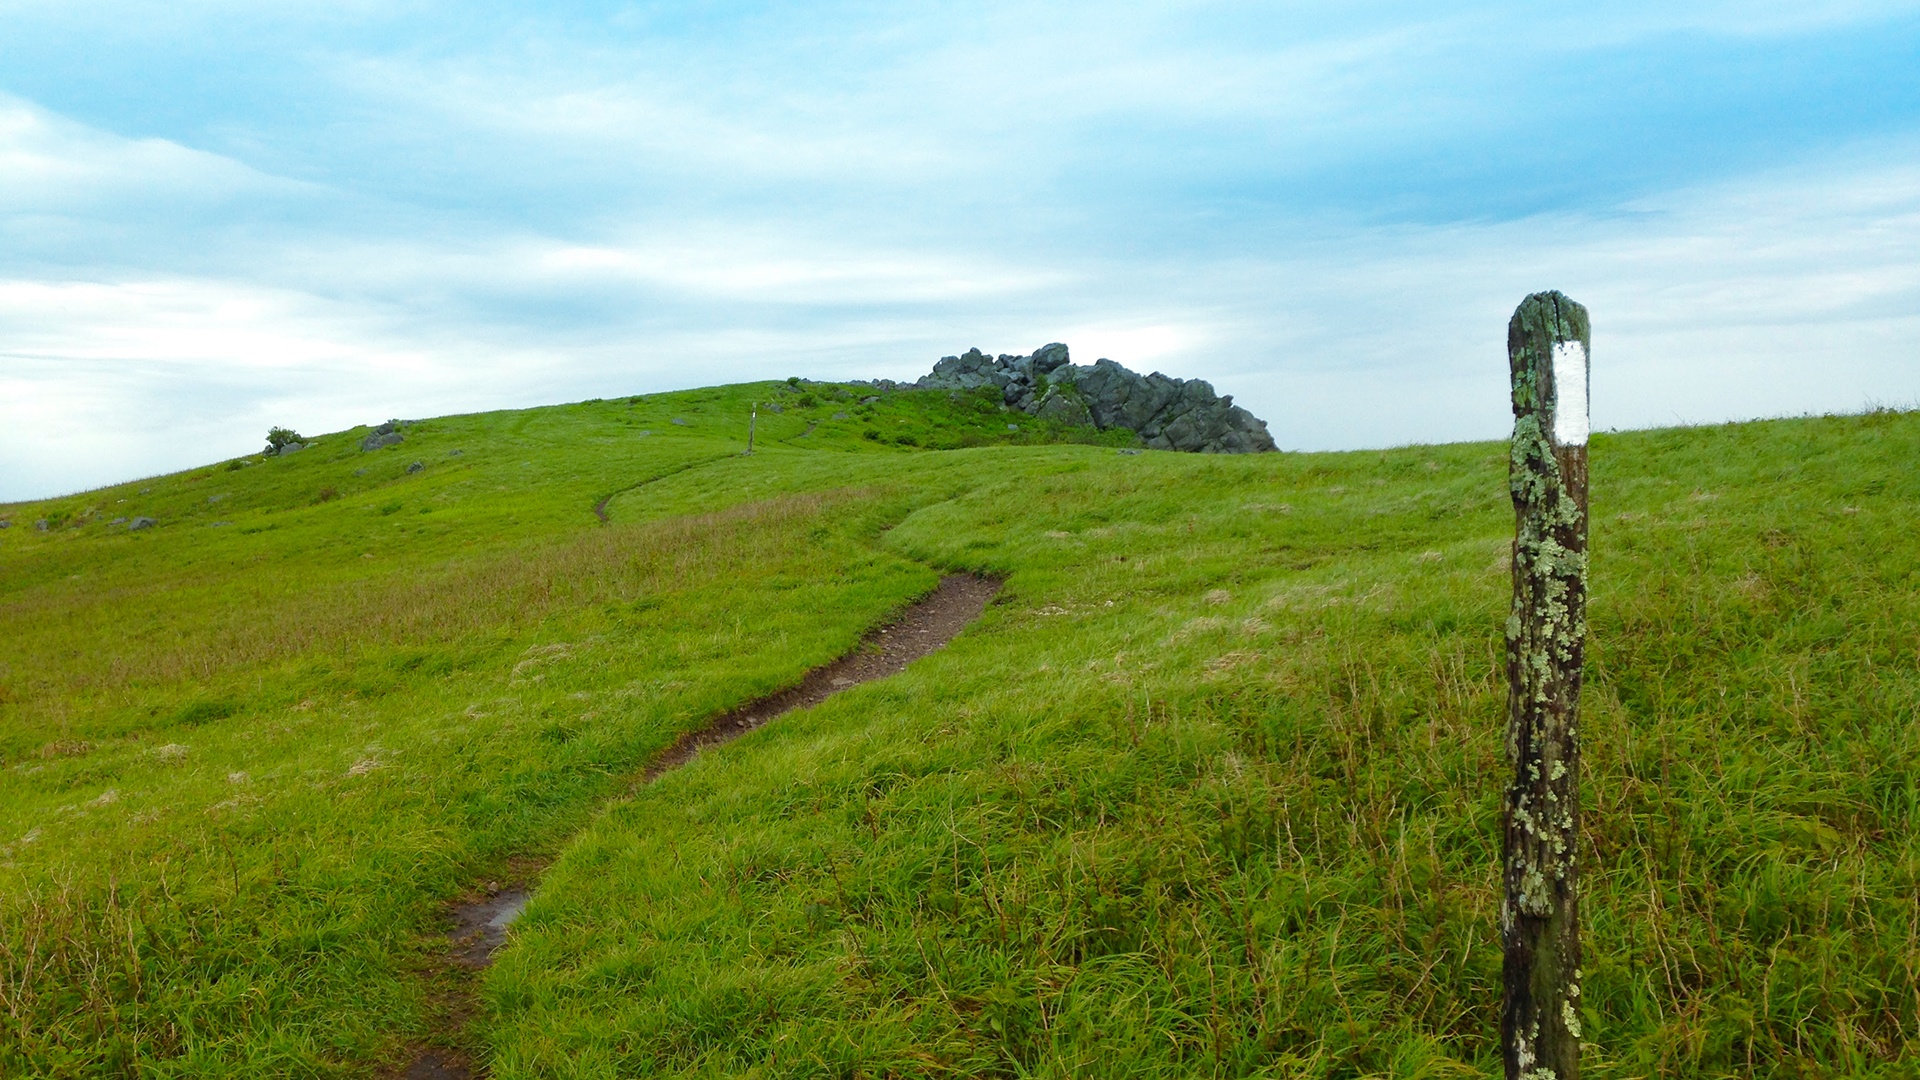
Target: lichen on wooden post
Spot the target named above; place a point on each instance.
(1547, 348)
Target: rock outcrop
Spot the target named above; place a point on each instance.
(387, 434)
(1168, 413)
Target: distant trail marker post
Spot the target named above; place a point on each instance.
(1547, 349)
(753, 418)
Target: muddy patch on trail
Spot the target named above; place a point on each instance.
(480, 926)
(440, 1065)
(477, 926)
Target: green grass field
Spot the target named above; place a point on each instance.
(1212, 789)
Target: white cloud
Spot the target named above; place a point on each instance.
(769, 264)
(49, 164)
(1733, 18)
(1777, 294)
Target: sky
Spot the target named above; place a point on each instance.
(217, 216)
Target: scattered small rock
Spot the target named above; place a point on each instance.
(170, 752)
(455, 453)
(141, 523)
(869, 400)
(416, 467)
(680, 421)
(42, 525)
(839, 416)
(117, 521)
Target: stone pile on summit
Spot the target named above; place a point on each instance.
(1168, 413)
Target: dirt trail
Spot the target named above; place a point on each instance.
(600, 508)
(478, 926)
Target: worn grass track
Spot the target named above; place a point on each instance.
(479, 924)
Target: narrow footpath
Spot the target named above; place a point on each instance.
(478, 927)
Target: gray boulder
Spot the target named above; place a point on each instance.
(1168, 413)
(387, 434)
(1063, 407)
(141, 523)
(416, 467)
(968, 371)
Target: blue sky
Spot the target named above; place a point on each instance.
(215, 217)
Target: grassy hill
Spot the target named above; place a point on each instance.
(1211, 790)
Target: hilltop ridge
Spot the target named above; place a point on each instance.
(1211, 787)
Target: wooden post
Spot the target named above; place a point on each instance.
(1547, 344)
(752, 419)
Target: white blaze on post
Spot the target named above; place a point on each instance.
(1570, 393)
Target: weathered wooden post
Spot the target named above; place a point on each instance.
(1547, 344)
(752, 419)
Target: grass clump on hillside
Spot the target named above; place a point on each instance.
(1212, 790)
